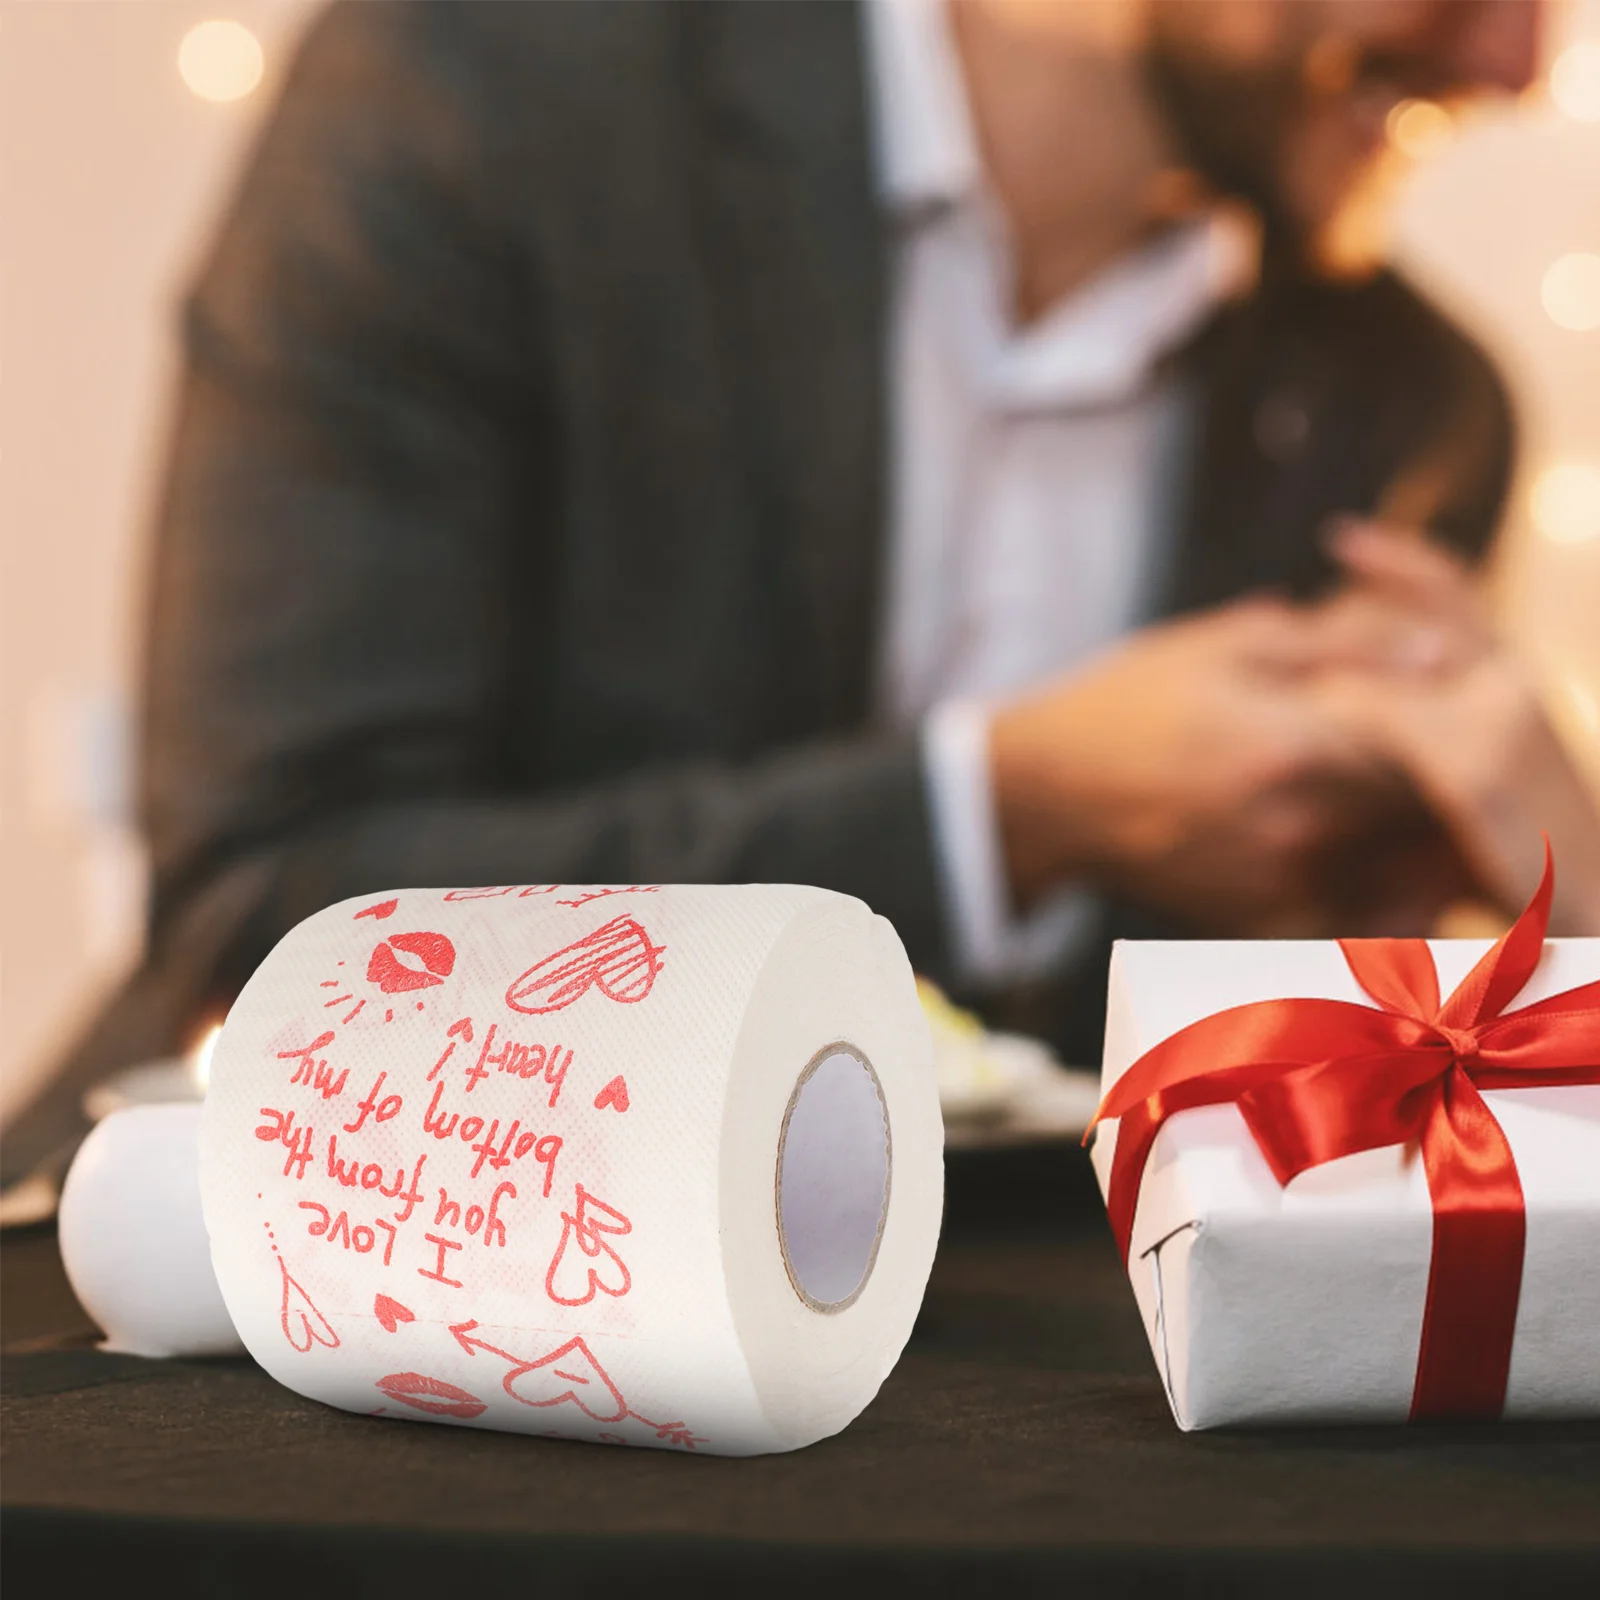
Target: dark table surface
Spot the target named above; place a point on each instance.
(1023, 1443)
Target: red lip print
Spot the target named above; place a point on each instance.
(384, 908)
(617, 958)
(393, 976)
(391, 1313)
(433, 1395)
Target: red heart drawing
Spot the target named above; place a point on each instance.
(586, 1226)
(568, 1373)
(297, 1308)
(384, 908)
(391, 1313)
(617, 958)
(433, 950)
(615, 1094)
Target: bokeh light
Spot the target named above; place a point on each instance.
(1571, 291)
(1586, 703)
(1566, 502)
(1575, 80)
(1419, 128)
(220, 60)
(200, 1060)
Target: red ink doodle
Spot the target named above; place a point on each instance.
(495, 891)
(351, 1173)
(391, 1313)
(380, 1110)
(444, 1125)
(281, 1130)
(673, 1432)
(388, 1016)
(338, 1231)
(313, 1326)
(438, 1274)
(461, 1028)
(618, 958)
(614, 1094)
(570, 1373)
(433, 1395)
(554, 1378)
(353, 1013)
(435, 953)
(338, 1000)
(520, 1060)
(313, 1072)
(501, 1157)
(411, 1197)
(609, 1274)
(603, 894)
(494, 1229)
(384, 908)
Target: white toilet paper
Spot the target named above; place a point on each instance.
(652, 1165)
(133, 1240)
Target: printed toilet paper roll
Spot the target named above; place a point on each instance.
(654, 1165)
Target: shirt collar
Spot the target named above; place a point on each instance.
(1099, 345)
(1103, 344)
(927, 152)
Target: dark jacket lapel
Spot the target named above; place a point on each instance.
(791, 188)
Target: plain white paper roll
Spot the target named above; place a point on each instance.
(654, 1165)
(133, 1239)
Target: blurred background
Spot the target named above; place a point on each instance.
(121, 128)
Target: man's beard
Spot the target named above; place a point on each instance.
(1231, 127)
(1235, 126)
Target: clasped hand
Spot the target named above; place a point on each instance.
(1273, 770)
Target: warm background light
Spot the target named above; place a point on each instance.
(200, 1060)
(1575, 80)
(220, 60)
(1571, 292)
(1566, 502)
(112, 210)
(1419, 128)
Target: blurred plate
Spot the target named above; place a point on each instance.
(151, 1083)
(1000, 1089)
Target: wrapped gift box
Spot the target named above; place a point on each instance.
(1274, 1303)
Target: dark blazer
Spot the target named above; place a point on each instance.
(525, 515)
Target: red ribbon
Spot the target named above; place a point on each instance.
(1320, 1079)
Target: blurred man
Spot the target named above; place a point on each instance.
(727, 442)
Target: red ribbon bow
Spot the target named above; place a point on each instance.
(1320, 1079)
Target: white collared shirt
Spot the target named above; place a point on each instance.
(1032, 466)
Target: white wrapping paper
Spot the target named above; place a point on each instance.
(1303, 1303)
(653, 1165)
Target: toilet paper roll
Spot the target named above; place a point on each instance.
(653, 1165)
(133, 1240)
